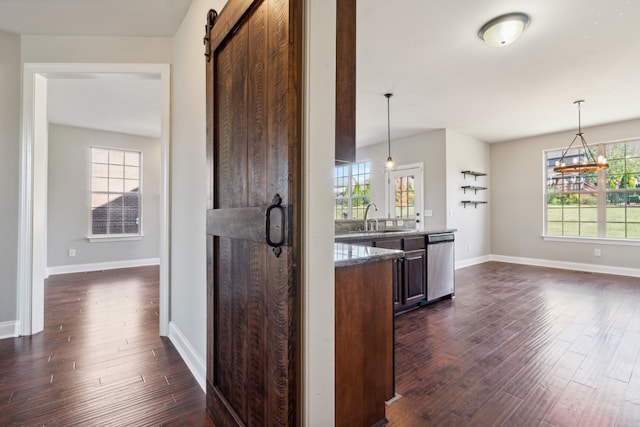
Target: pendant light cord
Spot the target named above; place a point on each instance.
(579, 117)
(388, 95)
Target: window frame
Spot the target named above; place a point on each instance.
(601, 196)
(350, 197)
(114, 237)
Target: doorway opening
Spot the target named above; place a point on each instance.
(404, 192)
(32, 244)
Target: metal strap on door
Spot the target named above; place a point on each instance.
(270, 224)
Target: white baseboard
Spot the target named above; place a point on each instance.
(99, 266)
(591, 268)
(9, 329)
(472, 261)
(194, 362)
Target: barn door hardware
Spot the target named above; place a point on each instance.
(211, 18)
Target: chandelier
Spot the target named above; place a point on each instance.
(590, 162)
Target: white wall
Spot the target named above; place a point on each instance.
(517, 194)
(69, 197)
(473, 238)
(189, 181)
(9, 162)
(78, 49)
(318, 287)
(427, 148)
(445, 153)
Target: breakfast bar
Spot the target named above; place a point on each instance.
(364, 333)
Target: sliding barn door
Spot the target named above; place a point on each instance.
(253, 151)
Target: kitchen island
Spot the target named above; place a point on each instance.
(363, 333)
(424, 274)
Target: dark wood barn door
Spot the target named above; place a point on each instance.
(253, 151)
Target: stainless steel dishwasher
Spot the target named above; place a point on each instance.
(440, 266)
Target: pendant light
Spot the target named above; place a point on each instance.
(590, 164)
(389, 165)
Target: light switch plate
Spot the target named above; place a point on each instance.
(428, 213)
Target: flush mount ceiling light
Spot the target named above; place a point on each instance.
(589, 164)
(504, 29)
(389, 164)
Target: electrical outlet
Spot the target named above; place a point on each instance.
(72, 252)
(597, 252)
(389, 223)
(469, 248)
(400, 223)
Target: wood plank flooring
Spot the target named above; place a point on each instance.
(99, 360)
(518, 346)
(522, 346)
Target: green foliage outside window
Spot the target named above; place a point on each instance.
(352, 188)
(575, 204)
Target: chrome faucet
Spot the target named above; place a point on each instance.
(366, 212)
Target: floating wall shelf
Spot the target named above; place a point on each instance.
(475, 203)
(475, 188)
(472, 187)
(473, 173)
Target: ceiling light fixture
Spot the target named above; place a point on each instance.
(389, 165)
(504, 29)
(590, 162)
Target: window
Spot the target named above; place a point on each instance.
(405, 197)
(351, 189)
(115, 192)
(604, 204)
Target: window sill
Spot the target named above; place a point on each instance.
(113, 238)
(593, 240)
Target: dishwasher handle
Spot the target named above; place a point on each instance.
(440, 238)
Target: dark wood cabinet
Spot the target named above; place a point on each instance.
(364, 343)
(415, 272)
(397, 280)
(409, 272)
(389, 243)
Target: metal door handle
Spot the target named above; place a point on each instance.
(275, 203)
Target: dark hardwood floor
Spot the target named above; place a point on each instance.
(99, 360)
(518, 346)
(522, 346)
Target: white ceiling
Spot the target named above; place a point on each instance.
(427, 53)
(443, 76)
(145, 18)
(124, 103)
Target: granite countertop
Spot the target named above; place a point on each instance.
(355, 236)
(345, 254)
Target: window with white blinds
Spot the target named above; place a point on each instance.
(116, 192)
